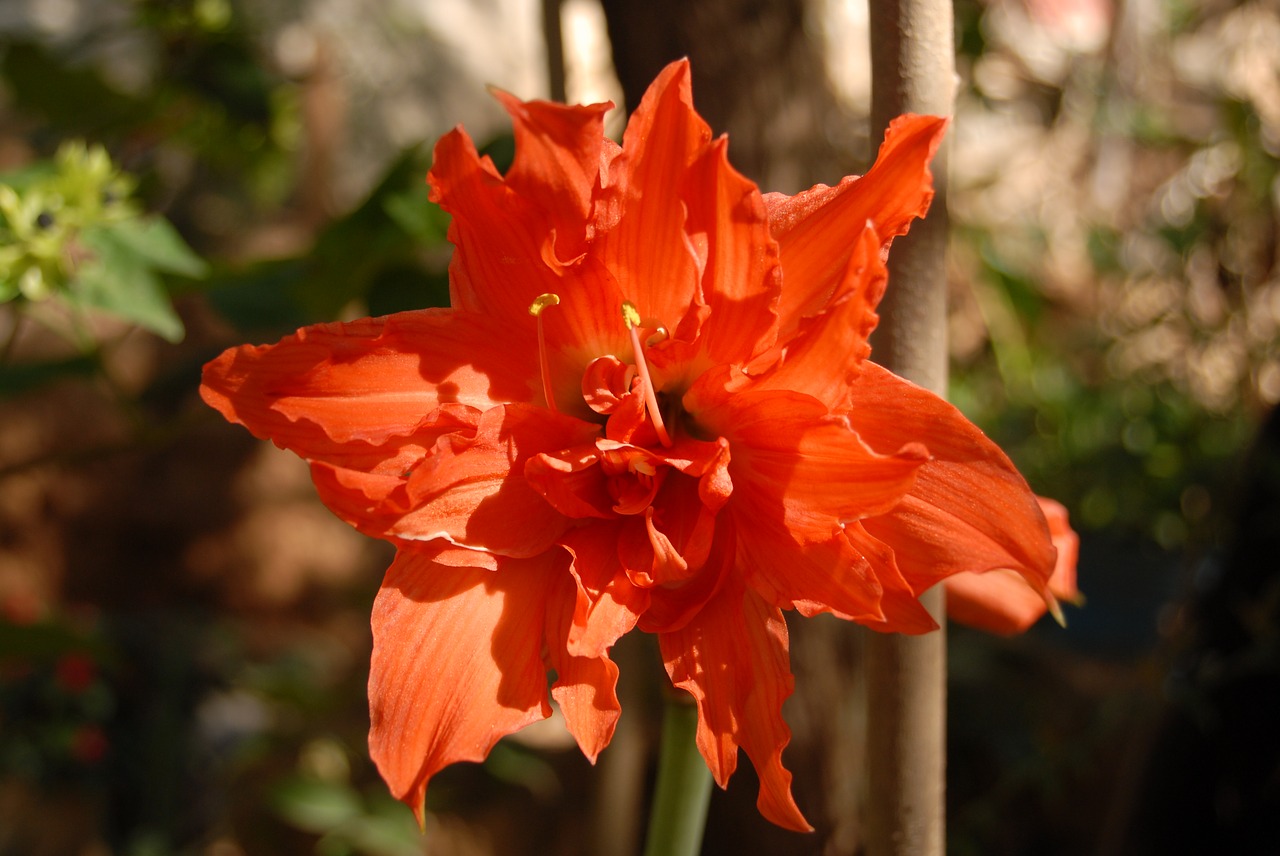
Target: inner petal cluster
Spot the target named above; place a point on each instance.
(654, 494)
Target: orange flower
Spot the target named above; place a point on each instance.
(648, 407)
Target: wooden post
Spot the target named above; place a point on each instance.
(913, 71)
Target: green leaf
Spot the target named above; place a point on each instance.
(156, 242)
(119, 280)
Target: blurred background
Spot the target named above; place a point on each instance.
(184, 628)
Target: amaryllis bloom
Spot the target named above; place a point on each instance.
(650, 407)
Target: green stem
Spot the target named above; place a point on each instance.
(683, 790)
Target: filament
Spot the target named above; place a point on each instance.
(541, 302)
(631, 316)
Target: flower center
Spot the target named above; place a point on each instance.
(607, 380)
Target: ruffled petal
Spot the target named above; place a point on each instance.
(647, 248)
(585, 687)
(506, 257)
(799, 466)
(733, 659)
(608, 604)
(571, 481)
(456, 665)
(672, 540)
(818, 576)
(899, 603)
(969, 509)
(729, 226)
(817, 230)
(1000, 601)
(559, 152)
(324, 388)
(825, 355)
(469, 488)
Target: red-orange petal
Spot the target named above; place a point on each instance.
(825, 355)
(733, 659)
(470, 488)
(817, 230)
(559, 153)
(798, 466)
(741, 280)
(1000, 601)
(505, 257)
(664, 136)
(324, 388)
(571, 481)
(585, 687)
(903, 612)
(608, 604)
(969, 509)
(456, 665)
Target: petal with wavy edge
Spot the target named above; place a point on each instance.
(608, 605)
(733, 659)
(585, 687)
(505, 258)
(662, 139)
(673, 539)
(571, 481)
(559, 153)
(827, 352)
(903, 612)
(456, 664)
(798, 466)
(741, 279)
(970, 509)
(326, 387)
(469, 489)
(817, 230)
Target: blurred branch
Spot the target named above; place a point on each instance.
(554, 38)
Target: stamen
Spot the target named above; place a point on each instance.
(631, 316)
(541, 302)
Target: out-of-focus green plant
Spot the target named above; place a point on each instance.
(71, 233)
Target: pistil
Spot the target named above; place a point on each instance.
(541, 302)
(631, 316)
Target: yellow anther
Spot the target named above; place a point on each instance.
(542, 301)
(630, 314)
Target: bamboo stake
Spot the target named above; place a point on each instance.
(913, 71)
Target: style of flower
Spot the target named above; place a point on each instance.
(649, 406)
